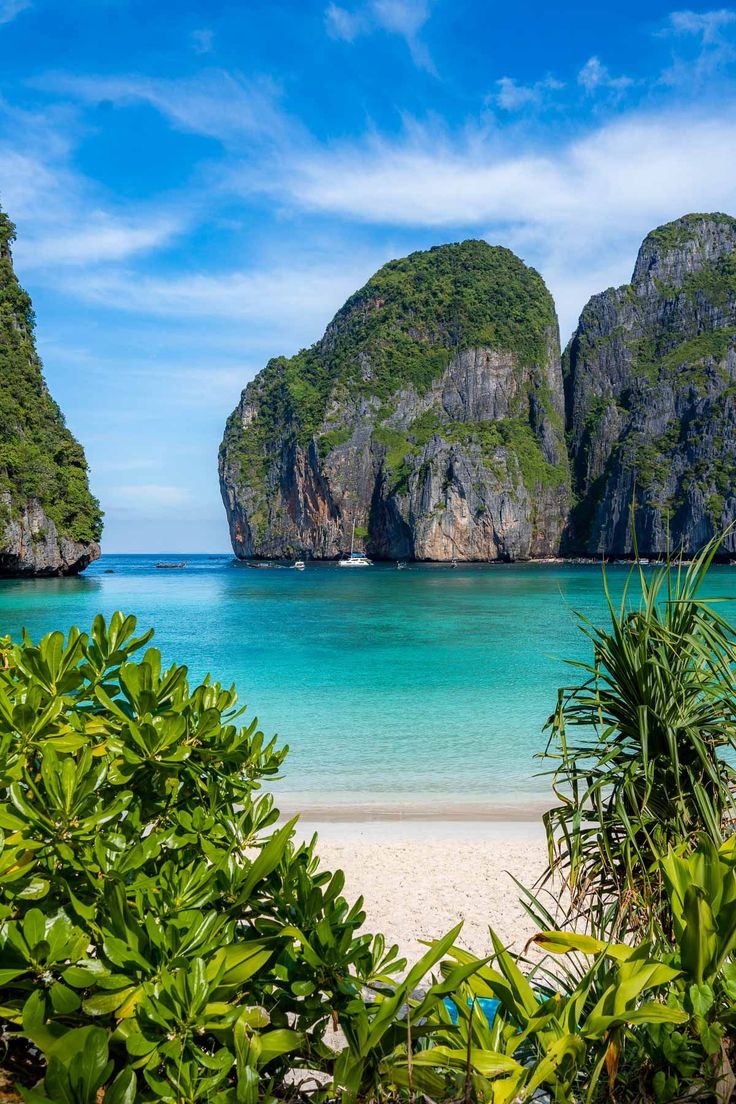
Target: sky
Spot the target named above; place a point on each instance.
(199, 186)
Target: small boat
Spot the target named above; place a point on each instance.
(453, 562)
(162, 564)
(355, 559)
(400, 565)
(299, 565)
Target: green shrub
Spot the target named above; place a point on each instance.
(156, 925)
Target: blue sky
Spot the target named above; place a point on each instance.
(199, 186)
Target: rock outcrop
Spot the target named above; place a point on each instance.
(430, 414)
(650, 385)
(50, 523)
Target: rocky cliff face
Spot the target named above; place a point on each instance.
(650, 383)
(50, 523)
(430, 414)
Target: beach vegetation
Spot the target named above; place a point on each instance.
(160, 933)
(637, 745)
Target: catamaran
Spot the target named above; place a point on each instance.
(355, 559)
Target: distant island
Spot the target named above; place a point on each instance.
(437, 414)
(50, 523)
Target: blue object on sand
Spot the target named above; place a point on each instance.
(488, 1007)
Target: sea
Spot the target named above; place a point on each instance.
(411, 693)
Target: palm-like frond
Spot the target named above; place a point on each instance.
(652, 716)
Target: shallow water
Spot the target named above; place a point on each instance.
(424, 690)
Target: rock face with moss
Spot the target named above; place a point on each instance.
(430, 414)
(50, 523)
(650, 382)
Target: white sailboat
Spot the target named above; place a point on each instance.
(355, 559)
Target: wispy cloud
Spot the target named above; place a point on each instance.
(404, 18)
(708, 26)
(513, 96)
(278, 298)
(64, 219)
(641, 163)
(9, 9)
(344, 24)
(713, 33)
(215, 103)
(101, 239)
(595, 77)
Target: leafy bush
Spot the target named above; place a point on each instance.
(158, 929)
(656, 710)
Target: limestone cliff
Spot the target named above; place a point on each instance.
(50, 523)
(430, 413)
(650, 382)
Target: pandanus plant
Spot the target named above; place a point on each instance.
(652, 716)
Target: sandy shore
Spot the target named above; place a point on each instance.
(420, 877)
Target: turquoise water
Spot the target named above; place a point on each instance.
(424, 688)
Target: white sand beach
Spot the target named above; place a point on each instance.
(420, 877)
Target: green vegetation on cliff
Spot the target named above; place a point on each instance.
(39, 457)
(650, 388)
(496, 441)
(402, 329)
(680, 232)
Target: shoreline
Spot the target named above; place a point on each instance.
(607, 560)
(265, 562)
(420, 831)
(424, 812)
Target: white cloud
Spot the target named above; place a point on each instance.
(714, 35)
(63, 222)
(639, 164)
(63, 217)
(708, 26)
(512, 96)
(101, 238)
(404, 18)
(591, 199)
(287, 300)
(216, 103)
(344, 24)
(9, 9)
(595, 76)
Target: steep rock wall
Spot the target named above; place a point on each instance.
(650, 383)
(430, 414)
